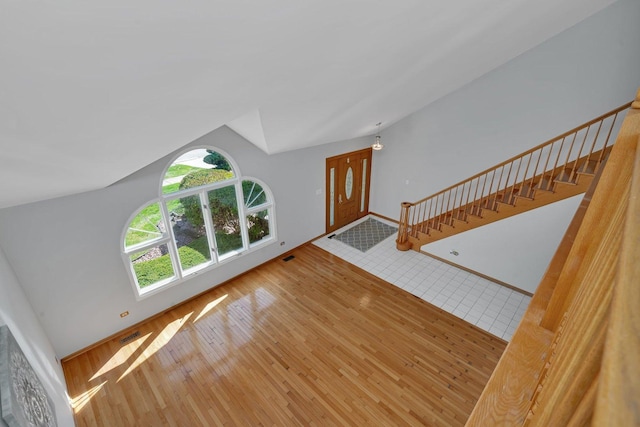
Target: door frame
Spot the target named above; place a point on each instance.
(361, 155)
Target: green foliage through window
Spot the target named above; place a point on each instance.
(185, 231)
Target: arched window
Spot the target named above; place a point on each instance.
(205, 214)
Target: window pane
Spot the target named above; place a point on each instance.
(195, 169)
(363, 190)
(332, 184)
(189, 231)
(226, 222)
(253, 193)
(152, 265)
(145, 227)
(258, 225)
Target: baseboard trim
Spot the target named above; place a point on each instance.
(484, 276)
(384, 217)
(132, 328)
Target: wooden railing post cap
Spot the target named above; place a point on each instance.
(636, 103)
(406, 204)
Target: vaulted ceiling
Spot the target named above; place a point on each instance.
(92, 91)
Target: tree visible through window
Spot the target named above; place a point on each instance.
(196, 223)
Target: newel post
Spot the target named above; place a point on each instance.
(403, 243)
(636, 103)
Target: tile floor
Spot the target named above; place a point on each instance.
(479, 301)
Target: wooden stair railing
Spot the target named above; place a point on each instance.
(557, 169)
(574, 358)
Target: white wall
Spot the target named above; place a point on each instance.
(66, 251)
(17, 314)
(576, 76)
(524, 255)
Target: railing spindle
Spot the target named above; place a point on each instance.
(544, 169)
(606, 142)
(432, 211)
(566, 162)
(595, 140)
(447, 210)
(455, 202)
(515, 179)
(524, 177)
(575, 162)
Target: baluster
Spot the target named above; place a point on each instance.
(593, 146)
(456, 205)
(447, 212)
(506, 185)
(535, 171)
(544, 169)
(461, 212)
(575, 162)
(413, 219)
(498, 188)
(425, 216)
(515, 179)
(566, 162)
(482, 196)
(524, 177)
(441, 209)
(493, 206)
(470, 210)
(420, 221)
(606, 142)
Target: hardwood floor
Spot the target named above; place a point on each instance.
(311, 341)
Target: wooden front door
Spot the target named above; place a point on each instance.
(348, 178)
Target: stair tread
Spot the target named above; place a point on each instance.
(588, 167)
(542, 189)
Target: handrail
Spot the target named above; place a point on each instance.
(573, 358)
(618, 396)
(560, 159)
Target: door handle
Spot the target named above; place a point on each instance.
(340, 198)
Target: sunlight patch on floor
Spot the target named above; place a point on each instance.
(163, 338)
(79, 402)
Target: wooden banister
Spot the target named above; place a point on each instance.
(611, 113)
(520, 176)
(618, 401)
(577, 345)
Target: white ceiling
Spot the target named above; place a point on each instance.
(91, 91)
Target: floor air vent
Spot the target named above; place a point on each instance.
(130, 337)
(289, 258)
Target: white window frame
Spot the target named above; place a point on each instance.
(168, 237)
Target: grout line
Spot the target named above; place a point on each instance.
(466, 294)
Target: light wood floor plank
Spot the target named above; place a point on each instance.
(312, 341)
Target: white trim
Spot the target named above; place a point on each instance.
(168, 238)
(234, 165)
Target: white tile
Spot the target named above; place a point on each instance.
(479, 301)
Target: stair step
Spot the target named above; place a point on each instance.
(459, 215)
(588, 167)
(490, 203)
(527, 192)
(423, 236)
(489, 213)
(545, 184)
(565, 177)
(507, 197)
(444, 226)
(474, 211)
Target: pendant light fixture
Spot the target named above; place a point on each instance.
(377, 145)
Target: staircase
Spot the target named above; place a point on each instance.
(558, 169)
(573, 361)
